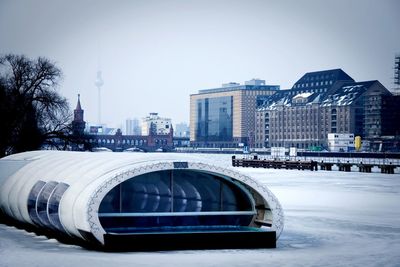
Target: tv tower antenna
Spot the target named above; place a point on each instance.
(99, 83)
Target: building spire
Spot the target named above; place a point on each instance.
(78, 105)
(78, 124)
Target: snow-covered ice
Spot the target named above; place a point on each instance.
(331, 219)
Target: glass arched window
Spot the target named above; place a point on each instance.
(42, 201)
(32, 199)
(175, 198)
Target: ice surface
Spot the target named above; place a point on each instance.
(331, 219)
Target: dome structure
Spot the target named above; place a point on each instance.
(106, 198)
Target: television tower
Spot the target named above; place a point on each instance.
(99, 83)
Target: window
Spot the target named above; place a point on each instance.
(32, 198)
(214, 119)
(175, 198)
(53, 205)
(41, 203)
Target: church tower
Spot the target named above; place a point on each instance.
(78, 124)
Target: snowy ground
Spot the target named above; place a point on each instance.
(331, 219)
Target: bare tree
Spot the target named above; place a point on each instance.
(34, 113)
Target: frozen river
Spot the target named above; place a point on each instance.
(331, 219)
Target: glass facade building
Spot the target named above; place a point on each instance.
(214, 119)
(224, 117)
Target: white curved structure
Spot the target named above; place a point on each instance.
(87, 195)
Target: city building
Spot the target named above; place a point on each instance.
(224, 117)
(100, 136)
(95, 129)
(141, 201)
(320, 103)
(154, 124)
(291, 118)
(339, 142)
(132, 127)
(181, 130)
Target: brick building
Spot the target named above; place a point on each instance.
(320, 103)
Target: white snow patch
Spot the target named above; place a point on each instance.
(302, 95)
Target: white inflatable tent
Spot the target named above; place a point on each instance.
(94, 195)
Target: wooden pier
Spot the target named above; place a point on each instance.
(312, 165)
(275, 164)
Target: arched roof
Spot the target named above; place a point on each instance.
(90, 176)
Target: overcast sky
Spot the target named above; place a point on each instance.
(154, 54)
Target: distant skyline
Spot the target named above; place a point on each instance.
(154, 54)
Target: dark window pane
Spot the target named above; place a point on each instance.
(147, 193)
(208, 188)
(171, 223)
(111, 202)
(185, 193)
(214, 119)
(234, 199)
(54, 203)
(126, 205)
(42, 200)
(32, 198)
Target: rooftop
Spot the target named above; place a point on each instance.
(341, 94)
(253, 84)
(321, 78)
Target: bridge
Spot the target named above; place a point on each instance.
(120, 142)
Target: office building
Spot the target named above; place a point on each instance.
(181, 130)
(132, 127)
(224, 117)
(320, 103)
(155, 125)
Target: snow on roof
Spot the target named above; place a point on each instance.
(350, 88)
(341, 95)
(347, 94)
(303, 95)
